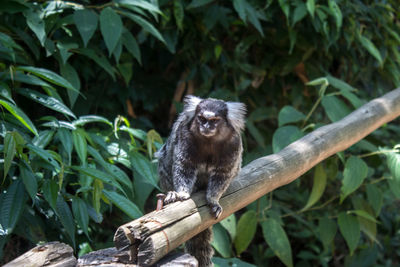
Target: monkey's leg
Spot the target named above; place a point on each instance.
(199, 247)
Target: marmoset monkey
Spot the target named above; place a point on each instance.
(204, 151)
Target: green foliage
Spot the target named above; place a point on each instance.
(84, 85)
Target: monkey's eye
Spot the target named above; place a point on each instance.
(202, 120)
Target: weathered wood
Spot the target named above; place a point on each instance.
(108, 257)
(111, 257)
(152, 236)
(53, 254)
(56, 254)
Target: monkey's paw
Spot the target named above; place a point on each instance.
(215, 209)
(173, 196)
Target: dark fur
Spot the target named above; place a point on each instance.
(202, 153)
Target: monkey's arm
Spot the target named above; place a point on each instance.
(217, 185)
(183, 178)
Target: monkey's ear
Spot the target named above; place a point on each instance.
(190, 104)
(236, 115)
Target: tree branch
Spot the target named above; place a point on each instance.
(152, 236)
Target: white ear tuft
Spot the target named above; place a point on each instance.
(236, 115)
(190, 104)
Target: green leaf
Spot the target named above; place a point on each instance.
(221, 241)
(37, 25)
(375, 198)
(65, 137)
(69, 73)
(289, 114)
(50, 192)
(363, 214)
(311, 7)
(229, 223)
(149, 6)
(111, 169)
(47, 101)
(393, 162)
(246, 230)
(83, 120)
(48, 76)
(179, 14)
(285, 6)
(198, 3)
(10, 148)
(368, 223)
(346, 90)
(11, 206)
(131, 45)
(111, 28)
(350, 229)
(126, 70)
(20, 115)
(253, 17)
(98, 187)
(8, 42)
(144, 167)
(80, 145)
(355, 171)
(240, 7)
(319, 185)
(326, 230)
(277, 240)
(371, 48)
(29, 180)
(101, 60)
(147, 26)
(5, 92)
(284, 136)
(65, 216)
(138, 133)
(97, 174)
(29, 79)
(81, 215)
(123, 203)
(86, 21)
(45, 155)
(319, 81)
(43, 139)
(64, 49)
(337, 13)
(299, 13)
(335, 108)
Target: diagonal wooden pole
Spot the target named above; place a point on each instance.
(152, 236)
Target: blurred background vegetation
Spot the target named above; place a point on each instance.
(89, 89)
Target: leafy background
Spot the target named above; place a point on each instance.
(89, 88)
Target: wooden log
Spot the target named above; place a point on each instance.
(153, 235)
(108, 257)
(53, 254)
(56, 254)
(111, 257)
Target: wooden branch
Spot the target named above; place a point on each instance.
(56, 254)
(152, 236)
(50, 254)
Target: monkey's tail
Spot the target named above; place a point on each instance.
(200, 247)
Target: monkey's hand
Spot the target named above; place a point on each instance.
(215, 209)
(173, 196)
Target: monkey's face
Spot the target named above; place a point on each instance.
(208, 123)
